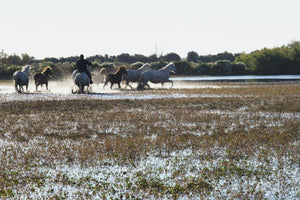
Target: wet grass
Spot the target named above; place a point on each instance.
(237, 141)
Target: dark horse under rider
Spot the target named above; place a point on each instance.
(82, 64)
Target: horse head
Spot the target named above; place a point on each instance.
(122, 70)
(47, 71)
(172, 67)
(145, 67)
(26, 69)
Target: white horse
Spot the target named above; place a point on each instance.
(134, 75)
(21, 78)
(157, 76)
(81, 79)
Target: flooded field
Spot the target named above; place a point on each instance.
(198, 140)
(61, 90)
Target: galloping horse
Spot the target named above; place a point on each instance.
(41, 78)
(21, 78)
(134, 75)
(157, 76)
(81, 79)
(115, 77)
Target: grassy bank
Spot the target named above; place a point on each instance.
(237, 141)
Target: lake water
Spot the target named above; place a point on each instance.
(251, 78)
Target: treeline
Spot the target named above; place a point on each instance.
(275, 61)
(279, 60)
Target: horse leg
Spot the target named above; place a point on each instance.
(111, 85)
(46, 85)
(119, 85)
(130, 86)
(16, 87)
(19, 88)
(27, 87)
(171, 83)
(142, 84)
(105, 84)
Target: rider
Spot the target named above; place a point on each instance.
(82, 64)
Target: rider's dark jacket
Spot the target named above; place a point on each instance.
(82, 67)
(82, 64)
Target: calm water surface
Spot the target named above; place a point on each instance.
(239, 78)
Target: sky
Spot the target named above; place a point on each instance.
(63, 28)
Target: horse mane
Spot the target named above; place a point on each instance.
(119, 69)
(146, 65)
(46, 68)
(102, 70)
(168, 65)
(26, 69)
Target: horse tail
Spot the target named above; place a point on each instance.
(17, 79)
(102, 70)
(81, 84)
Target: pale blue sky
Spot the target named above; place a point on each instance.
(62, 28)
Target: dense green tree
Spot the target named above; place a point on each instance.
(184, 67)
(125, 58)
(52, 59)
(280, 60)
(225, 56)
(140, 58)
(192, 56)
(222, 67)
(153, 58)
(205, 69)
(25, 59)
(14, 59)
(238, 69)
(171, 57)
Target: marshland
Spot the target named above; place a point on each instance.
(209, 140)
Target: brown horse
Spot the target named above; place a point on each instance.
(115, 77)
(41, 78)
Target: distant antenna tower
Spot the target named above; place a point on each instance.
(2, 56)
(156, 50)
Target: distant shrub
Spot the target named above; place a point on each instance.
(205, 69)
(238, 68)
(108, 65)
(184, 68)
(222, 67)
(62, 70)
(6, 71)
(192, 56)
(158, 65)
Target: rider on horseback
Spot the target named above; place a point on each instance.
(82, 64)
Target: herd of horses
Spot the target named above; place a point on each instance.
(142, 76)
